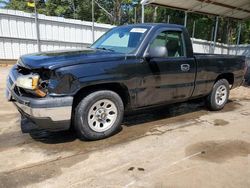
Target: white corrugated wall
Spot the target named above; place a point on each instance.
(18, 33)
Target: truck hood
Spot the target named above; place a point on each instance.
(57, 59)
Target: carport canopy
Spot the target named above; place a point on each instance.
(238, 9)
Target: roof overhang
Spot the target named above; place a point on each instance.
(237, 9)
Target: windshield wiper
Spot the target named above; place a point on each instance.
(102, 48)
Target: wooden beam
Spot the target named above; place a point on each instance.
(225, 5)
(241, 6)
(199, 12)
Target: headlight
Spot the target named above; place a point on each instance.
(28, 81)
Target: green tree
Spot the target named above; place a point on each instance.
(115, 11)
(22, 5)
(58, 8)
(245, 36)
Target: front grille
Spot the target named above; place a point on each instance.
(17, 91)
(21, 92)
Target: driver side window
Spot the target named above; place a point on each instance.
(172, 40)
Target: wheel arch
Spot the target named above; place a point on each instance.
(118, 88)
(228, 76)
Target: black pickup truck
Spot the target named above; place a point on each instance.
(130, 67)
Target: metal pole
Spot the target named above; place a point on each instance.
(185, 20)
(227, 31)
(212, 36)
(74, 7)
(238, 38)
(135, 14)
(93, 21)
(155, 14)
(142, 13)
(193, 30)
(228, 36)
(168, 19)
(37, 29)
(215, 32)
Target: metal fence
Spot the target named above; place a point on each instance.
(203, 46)
(18, 35)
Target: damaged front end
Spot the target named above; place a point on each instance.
(30, 89)
(33, 82)
(43, 82)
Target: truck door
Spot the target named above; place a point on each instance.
(169, 78)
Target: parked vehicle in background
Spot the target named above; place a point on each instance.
(130, 67)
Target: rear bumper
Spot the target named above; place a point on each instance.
(49, 113)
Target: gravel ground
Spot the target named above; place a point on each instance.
(183, 145)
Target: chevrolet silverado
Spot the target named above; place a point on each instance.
(128, 68)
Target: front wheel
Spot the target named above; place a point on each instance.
(98, 115)
(219, 95)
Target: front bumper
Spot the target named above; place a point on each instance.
(50, 119)
(49, 113)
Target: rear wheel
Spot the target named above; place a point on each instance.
(219, 95)
(98, 115)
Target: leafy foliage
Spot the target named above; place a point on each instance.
(22, 5)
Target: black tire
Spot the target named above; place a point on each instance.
(212, 99)
(82, 110)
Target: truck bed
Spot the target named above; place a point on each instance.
(210, 66)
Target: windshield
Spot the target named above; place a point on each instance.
(121, 39)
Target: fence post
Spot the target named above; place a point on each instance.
(93, 21)
(142, 13)
(193, 30)
(215, 33)
(238, 39)
(37, 29)
(185, 19)
(135, 15)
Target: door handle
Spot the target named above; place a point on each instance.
(185, 67)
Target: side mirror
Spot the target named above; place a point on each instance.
(158, 51)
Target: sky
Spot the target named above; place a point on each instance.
(2, 4)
